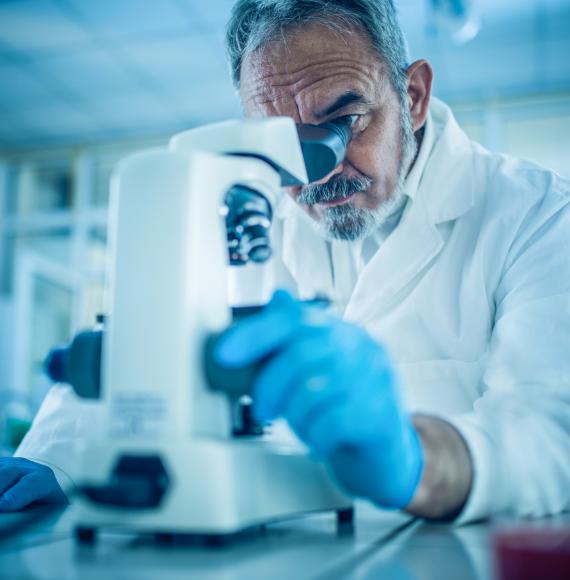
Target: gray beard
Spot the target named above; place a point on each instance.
(349, 223)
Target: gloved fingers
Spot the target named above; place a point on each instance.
(355, 380)
(255, 338)
(389, 415)
(282, 375)
(301, 419)
(327, 431)
(386, 473)
(318, 390)
(354, 471)
(27, 490)
(9, 475)
(56, 494)
(373, 420)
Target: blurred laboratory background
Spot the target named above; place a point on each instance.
(85, 82)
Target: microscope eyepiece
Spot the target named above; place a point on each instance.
(324, 146)
(341, 128)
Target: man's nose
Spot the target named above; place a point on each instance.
(338, 169)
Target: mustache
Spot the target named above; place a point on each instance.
(335, 189)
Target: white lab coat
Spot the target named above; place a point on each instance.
(470, 293)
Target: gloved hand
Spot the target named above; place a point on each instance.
(23, 482)
(336, 388)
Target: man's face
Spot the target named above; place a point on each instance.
(319, 76)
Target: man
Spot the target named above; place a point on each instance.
(444, 389)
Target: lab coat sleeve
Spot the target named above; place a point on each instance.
(62, 422)
(519, 432)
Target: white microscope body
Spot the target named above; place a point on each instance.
(167, 292)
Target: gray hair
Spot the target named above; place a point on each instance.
(256, 22)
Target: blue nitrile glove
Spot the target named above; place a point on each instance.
(336, 388)
(23, 482)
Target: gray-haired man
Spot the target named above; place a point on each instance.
(416, 237)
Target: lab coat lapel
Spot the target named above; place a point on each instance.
(444, 192)
(401, 259)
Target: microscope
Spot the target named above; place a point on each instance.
(169, 458)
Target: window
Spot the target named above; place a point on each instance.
(52, 245)
(53, 256)
(545, 141)
(41, 186)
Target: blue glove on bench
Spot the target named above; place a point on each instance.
(23, 482)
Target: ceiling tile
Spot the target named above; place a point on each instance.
(505, 9)
(557, 21)
(214, 99)
(20, 87)
(128, 17)
(467, 72)
(187, 57)
(59, 120)
(214, 13)
(107, 52)
(83, 71)
(500, 60)
(36, 25)
(557, 67)
(7, 132)
(413, 18)
(131, 110)
(11, 125)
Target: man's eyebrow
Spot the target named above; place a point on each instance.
(348, 98)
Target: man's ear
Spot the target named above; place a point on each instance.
(420, 76)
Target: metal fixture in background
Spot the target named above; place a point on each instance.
(458, 20)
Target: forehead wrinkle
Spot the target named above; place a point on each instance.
(329, 67)
(279, 105)
(333, 78)
(339, 85)
(302, 71)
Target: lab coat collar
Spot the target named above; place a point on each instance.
(414, 177)
(447, 178)
(403, 257)
(440, 187)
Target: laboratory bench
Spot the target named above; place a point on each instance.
(380, 545)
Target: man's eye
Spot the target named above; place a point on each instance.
(351, 120)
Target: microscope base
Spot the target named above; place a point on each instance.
(214, 488)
